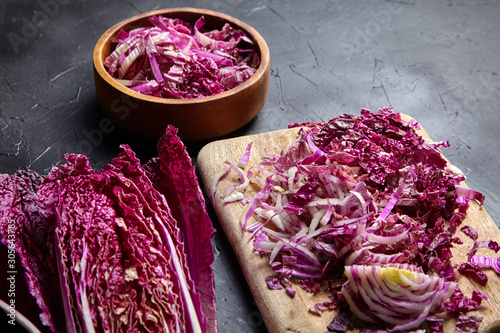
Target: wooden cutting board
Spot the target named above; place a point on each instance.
(282, 313)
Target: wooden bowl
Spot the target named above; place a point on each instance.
(198, 118)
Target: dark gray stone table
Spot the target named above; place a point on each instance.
(438, 61)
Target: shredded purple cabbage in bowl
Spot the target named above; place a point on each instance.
(178, 60)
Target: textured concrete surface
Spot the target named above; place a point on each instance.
(437, 61)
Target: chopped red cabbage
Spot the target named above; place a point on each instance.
(459, 303)
(357, 190)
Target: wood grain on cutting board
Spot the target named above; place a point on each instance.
(280, 312)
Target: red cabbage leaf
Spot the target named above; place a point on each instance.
(26, 233)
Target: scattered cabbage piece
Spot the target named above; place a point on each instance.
(468, 324)
(174, 59)
(483, 261)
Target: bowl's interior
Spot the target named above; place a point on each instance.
(214, 20)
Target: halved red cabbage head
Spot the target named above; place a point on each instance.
(121, 260)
